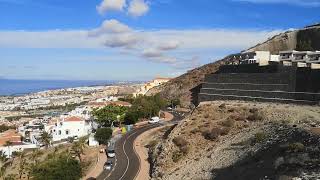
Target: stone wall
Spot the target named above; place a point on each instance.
(274, 83)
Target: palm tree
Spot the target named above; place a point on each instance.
(46, 139)
(22, 163)
(78, 147)
(10, 177)
(22, 167)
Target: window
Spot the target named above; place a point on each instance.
(67, 132)
(59, 132)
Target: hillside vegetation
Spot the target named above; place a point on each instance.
(186, 86)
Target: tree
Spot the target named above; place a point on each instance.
(107, 115)
(36, 153)
(103, 135)
(78, 147)
(131, 117)
(63, 168)
(22, 164)
(46, 139)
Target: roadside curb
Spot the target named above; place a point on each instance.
(136, 141)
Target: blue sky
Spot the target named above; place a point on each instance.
(135, 39)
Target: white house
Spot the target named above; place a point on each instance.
(67, 127)
(260, 57)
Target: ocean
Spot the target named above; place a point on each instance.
(21, 87)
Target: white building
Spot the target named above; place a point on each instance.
(83, 112)
(146, 87)
(68, 127)
(260, 57)
(300, 58)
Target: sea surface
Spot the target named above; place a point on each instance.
(21, 87)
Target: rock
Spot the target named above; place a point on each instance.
(278, 162)
(284, 177)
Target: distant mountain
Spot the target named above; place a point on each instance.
(185, 86)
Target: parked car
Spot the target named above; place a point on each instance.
(111, 153)
(108, 165)
(154, 120)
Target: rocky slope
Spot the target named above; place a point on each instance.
(185, 86)
(238, 140)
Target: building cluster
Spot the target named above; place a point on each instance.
(72, 125)
(61, 97)
(288, 58)
(154, 83)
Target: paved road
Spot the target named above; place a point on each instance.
(126, 164)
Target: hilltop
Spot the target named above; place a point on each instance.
(186, 86)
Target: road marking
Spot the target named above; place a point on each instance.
(125, 153)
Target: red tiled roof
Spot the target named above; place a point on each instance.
(73, 119)
(9, 135)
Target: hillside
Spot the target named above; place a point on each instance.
(185, 86)
(240, 140)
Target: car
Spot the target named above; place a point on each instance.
(111, 153)
(108, 165)
(154, 120)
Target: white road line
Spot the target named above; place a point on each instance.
(125, 153)
(114, 167)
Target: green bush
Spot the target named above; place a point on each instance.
(61, 167)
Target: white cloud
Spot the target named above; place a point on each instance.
(138, 8)
(111, 5)
(205, 39)
(161, 46)
(151, 53)
(110, 26)
(127, 40)
(170, 45)
(308, 3)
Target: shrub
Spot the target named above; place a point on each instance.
(176, 156)
(179, 141)
(253, 110)
(296, 147)
(152, 144)
(255, 117)
(222, 106)
(260, 137)
(228, 123)
(224, 131)
(212, 134)
(182, 144)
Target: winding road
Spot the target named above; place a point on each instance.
(126, 164)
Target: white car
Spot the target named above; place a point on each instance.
(111, 153)
(154, 120)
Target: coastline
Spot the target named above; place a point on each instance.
(16, 88)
